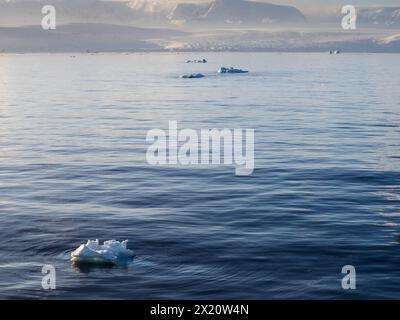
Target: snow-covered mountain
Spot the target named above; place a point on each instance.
(108, 25)
(237, 12)
(206, 13)
(28, 12)
(149, 12)
(379, 17)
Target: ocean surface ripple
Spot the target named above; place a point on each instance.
(324, 194)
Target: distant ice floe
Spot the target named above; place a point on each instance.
(231, 70)
(110, 252)
(197, 61)
(192, 76)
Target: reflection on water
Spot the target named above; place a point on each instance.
(89, 267)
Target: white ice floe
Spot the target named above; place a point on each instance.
(231, 70)
(109, 252)
(192, 76)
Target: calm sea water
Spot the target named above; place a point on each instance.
(325, 192)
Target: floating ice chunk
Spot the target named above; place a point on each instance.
(192, 76)
(231, 70)
(197, 61)
(109, 252)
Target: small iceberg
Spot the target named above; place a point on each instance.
(192, 76)
(231, 70)
(110, 252)
(197, 61)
